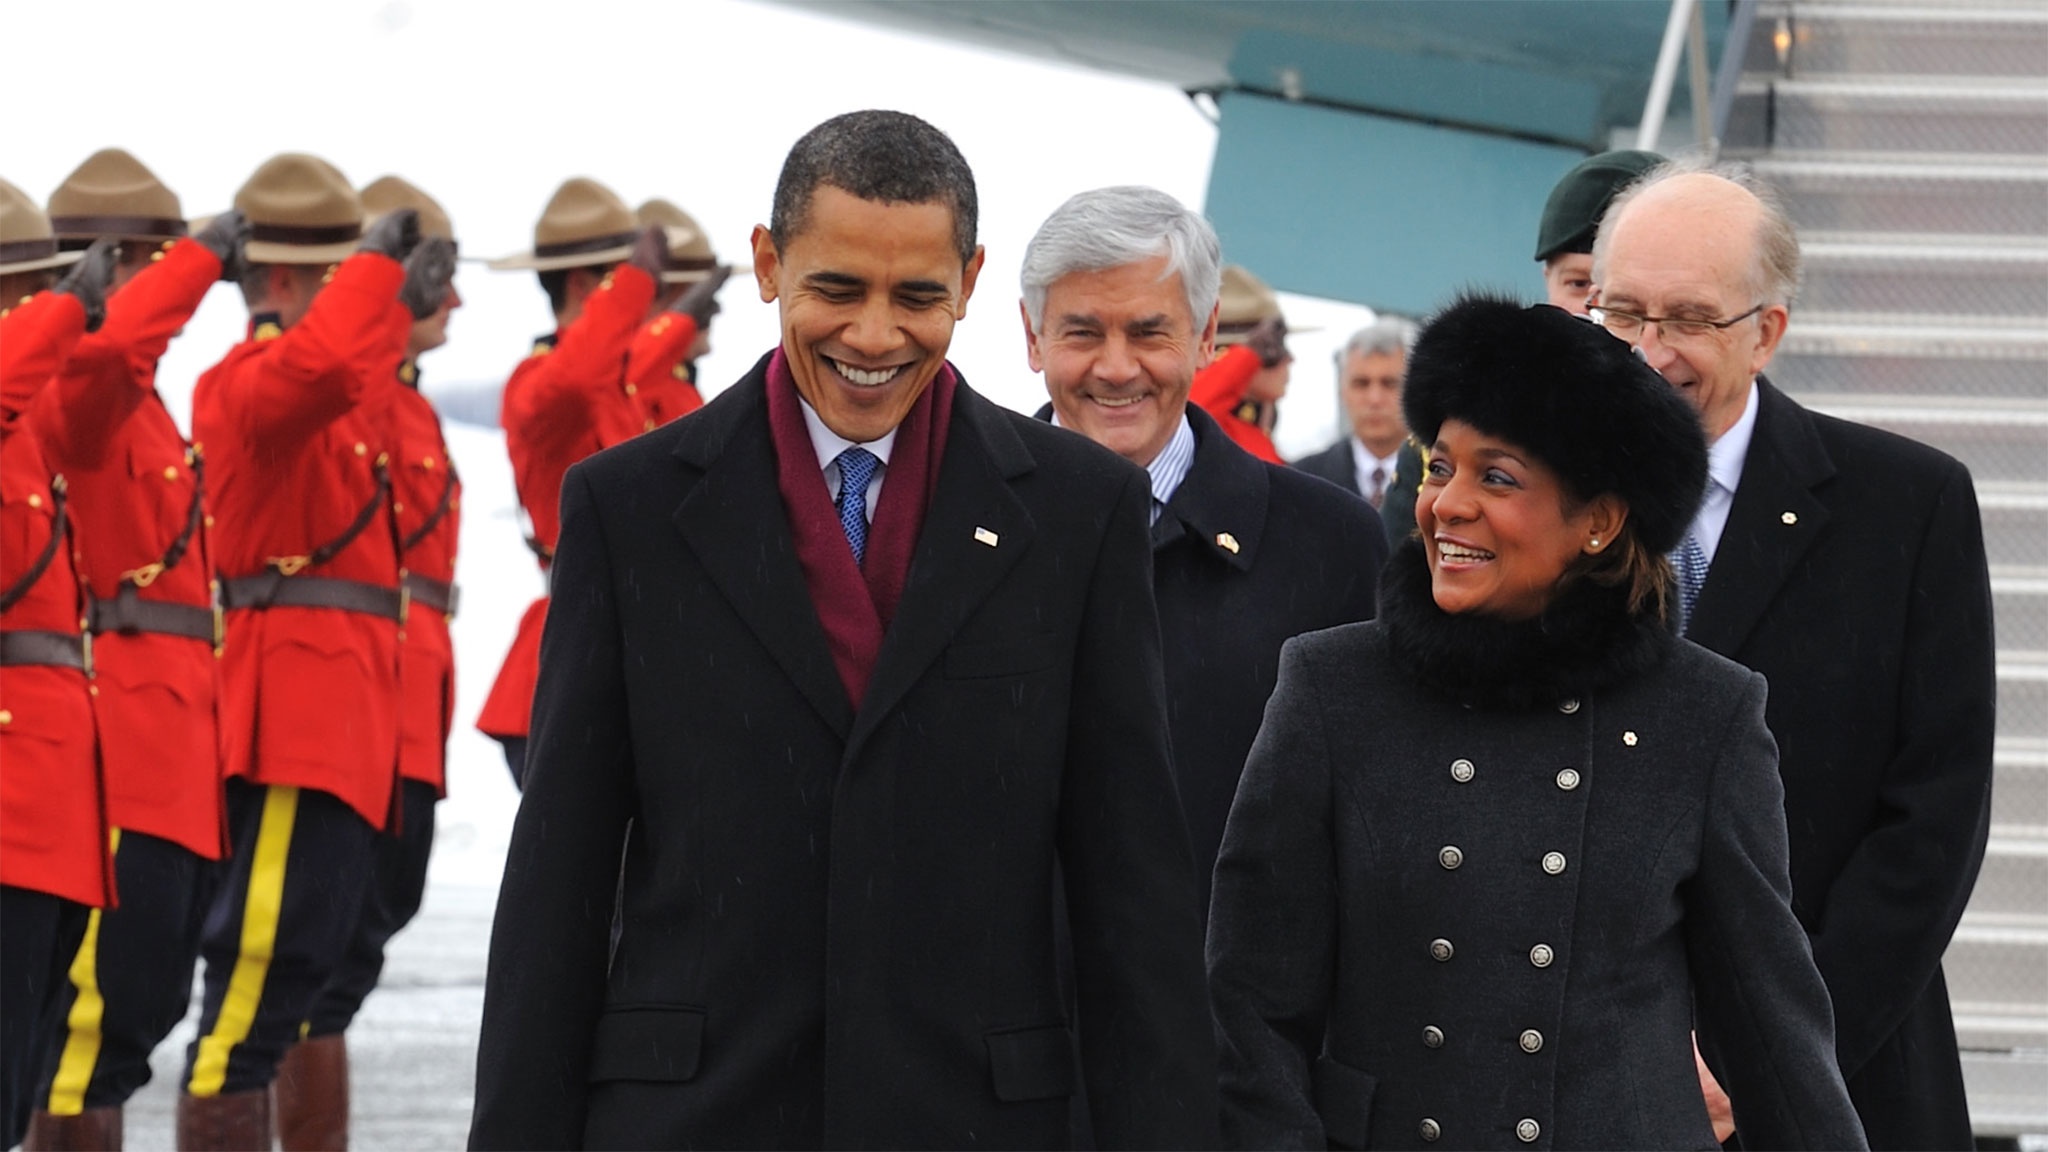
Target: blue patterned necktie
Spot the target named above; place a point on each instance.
(856, 467)
(1691, 562)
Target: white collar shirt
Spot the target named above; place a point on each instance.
(1724, 471)
(829, 444)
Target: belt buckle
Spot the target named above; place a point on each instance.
(85, 651)
(404, 596)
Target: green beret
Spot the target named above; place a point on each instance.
(1575, 206)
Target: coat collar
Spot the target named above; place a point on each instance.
(1776, 516)
(733, 521)
(1222, 503)
(1585, 641)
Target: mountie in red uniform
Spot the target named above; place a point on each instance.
(53, 838)
(137, 499)
(571, 398)
(1219, 390)
(52, 827)
(297, 425)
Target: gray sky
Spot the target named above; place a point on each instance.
(489, 106)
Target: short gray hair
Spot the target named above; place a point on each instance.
(1775, 277)
(1111, 227)
(1386, 335)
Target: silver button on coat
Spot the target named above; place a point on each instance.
(1430, 1129)
(1568, 778)
(1568, 705)
(1553, 862)
(1432, 1037)
(1462, 770)
(1541, 955)
(1532, 1041)
(1440, 949)
(1451, 856)
(1528, 1130)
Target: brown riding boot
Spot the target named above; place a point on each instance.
(93, 1130)
(312, 1096)
(229, 1122)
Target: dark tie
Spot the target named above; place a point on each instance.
(1378, 495)
(1691, 561)
(856, 467)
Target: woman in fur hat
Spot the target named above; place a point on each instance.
(1497, 853)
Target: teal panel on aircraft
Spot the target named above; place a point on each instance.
(1386, 212)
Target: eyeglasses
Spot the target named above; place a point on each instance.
(1629, 325)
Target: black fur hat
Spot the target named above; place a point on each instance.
(1572, 394)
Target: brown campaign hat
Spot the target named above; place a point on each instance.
(301, 210)
(585, 223)
(27, 243)
(114, 194)
(690, 258)
(389, 194)
(1244, 301)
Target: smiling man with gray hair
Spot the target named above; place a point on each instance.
(1120, 289)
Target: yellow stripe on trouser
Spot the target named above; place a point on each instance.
(82, 1042)
(260, 910)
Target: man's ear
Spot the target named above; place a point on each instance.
(968, 276)
(1030, 339)
(1206, 349)
(767, 263)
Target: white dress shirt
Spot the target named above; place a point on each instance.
(1724, 472)
(1363, 462)
(829, 444)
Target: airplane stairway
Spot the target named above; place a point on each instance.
(1911, 142)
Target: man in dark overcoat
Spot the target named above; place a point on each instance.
(1375, 458)
(1847, 565)
(1120, 311)
(861, 657)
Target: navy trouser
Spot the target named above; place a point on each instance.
(130, 980)
(398, 882)
(277, 929)
(38, 934)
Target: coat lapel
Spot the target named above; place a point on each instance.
(975, 531)
(733, 521)
(1223, 499)
(1774, 520)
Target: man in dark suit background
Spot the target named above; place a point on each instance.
(1120, 311)
(862, 657)
(1377, 460)
(1847, 565)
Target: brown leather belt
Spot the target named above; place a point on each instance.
(56, 649)
(439, 595)
(128, 613)
(274, 589)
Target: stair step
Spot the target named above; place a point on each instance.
(2019, 607)
(1821, 365)
(2015, 523)
(2019, 788)
(1998, 440)
(1939, 279)
(1982, 196)
(2014, 881)
(1998, 967)
(1919, 118)
(2008, 1089)
(2023, 712)
(1975, 39)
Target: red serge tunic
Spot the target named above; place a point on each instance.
(571, 398)
(427, 500)
(1219, 390)
(136, 503)
(659, 369)
(52, 810)
(297, 427)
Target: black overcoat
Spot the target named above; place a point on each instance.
(1397, 508)
(837, 922)
(1852, 575)
(1245, 556)
(1480, 920)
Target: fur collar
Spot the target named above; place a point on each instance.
(1585, 641)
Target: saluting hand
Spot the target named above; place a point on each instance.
(395, 234)
(226, 236)
(428, 272)
(700, 302)
(650, 251)
(1268, 338)
(90, 278)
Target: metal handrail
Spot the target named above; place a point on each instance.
(1685, 33)
(1734, 47)
(1665, 75)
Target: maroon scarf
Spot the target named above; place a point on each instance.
(856, 604)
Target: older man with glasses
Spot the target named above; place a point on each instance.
(1847, 565)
